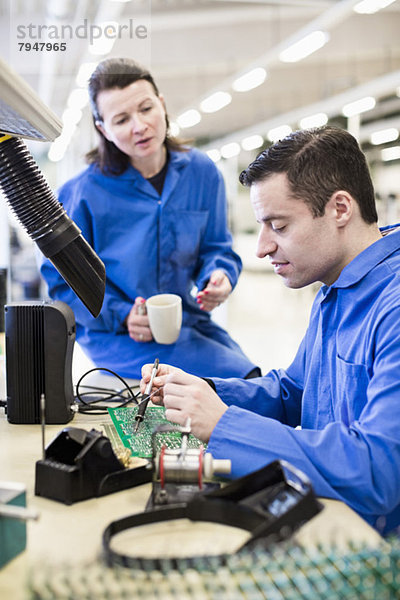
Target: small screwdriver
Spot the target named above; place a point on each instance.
(146, 396)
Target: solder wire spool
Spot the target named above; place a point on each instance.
(191, 466)
(48, 225)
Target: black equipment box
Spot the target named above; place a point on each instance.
(39, 346)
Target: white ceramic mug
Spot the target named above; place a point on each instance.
(165, 317)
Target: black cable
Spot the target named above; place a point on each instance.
(109, 395)
(103, 410)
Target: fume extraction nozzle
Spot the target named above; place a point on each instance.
(48, 225)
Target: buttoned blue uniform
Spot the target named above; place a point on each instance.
(343, 388)
(154, 244)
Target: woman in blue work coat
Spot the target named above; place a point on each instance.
(154, 210)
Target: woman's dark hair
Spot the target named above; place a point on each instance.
(317, 163)
(119, 73)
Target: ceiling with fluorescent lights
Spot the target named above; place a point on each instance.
(195, 48)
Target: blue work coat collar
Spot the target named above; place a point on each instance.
(176, 163)
(367, 260)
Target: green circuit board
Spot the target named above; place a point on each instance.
(140, 443)
(285, 571)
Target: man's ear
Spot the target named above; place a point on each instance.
(342, 204)
(100, 127)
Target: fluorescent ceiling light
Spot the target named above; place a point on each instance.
(215, 102)
(250, 80)
(252, 142)
(57, 9)
(78, 98)
(56, 152)
(384, 135)
(304, 47)
(390, 153)
(359, 106)
(84, 73)
(317, 120)
(189, 118)
(174, 129)
(368, 7)
(278, 133)
(214, 154)
(59, 147)
(70, 117)
(230, 150)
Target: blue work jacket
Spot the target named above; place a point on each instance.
(153, 244)
(343, 388)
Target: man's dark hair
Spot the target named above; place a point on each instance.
(119, 73)
(317, 163)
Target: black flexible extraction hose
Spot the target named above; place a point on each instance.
(47, 223)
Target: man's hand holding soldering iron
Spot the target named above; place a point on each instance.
(185, 396)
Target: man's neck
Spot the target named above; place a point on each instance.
(361, 239)
(353, 244)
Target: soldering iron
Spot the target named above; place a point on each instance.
(146, 396)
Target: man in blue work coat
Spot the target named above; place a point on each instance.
(313, 197)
